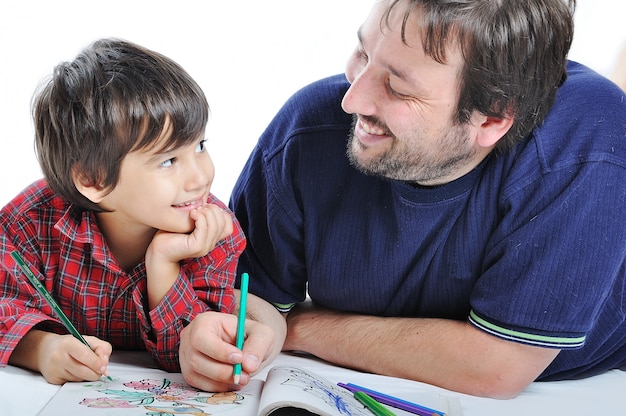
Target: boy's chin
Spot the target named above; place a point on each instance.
(180, 228)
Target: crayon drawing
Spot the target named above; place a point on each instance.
(158, 397)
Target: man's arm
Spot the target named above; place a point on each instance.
(447, 353)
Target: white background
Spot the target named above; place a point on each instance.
(247, 55)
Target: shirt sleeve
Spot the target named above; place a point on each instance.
(560, 262)
(21, 307)
(553, 271)
(266, 198)
(203, 284)
(274, 256)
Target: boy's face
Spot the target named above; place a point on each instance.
(158, 189)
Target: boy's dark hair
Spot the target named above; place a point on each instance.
(113, 98)
(514, 51)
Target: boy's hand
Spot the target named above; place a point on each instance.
(212, 224)
(62, 358)
(208, 354)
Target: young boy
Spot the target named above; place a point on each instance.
(123, 231)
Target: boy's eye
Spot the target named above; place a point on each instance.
(168, 163)
(201, 146)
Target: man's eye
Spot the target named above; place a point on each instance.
(361, 55)
(395, 93)
(168, 163)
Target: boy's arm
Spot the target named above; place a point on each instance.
(204, 281)
(212, 224)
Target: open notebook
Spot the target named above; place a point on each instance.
(286, 391)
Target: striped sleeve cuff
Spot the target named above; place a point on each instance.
(562, 342)
(284, 307)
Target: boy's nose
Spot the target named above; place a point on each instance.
(199, 175)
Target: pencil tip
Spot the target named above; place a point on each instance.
(236, 380)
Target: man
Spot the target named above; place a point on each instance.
(473, 236)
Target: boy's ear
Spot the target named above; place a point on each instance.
(94, 193)
(492, 129)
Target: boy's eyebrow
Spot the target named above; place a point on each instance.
(156, 155)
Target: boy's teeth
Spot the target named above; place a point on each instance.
(184, 204)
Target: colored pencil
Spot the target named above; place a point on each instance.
(48, 297)
(41, 289)
(373, 406)
(393, 401)
(241, 321)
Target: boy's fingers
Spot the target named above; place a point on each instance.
(219, 218)
(87, 365)
(258, 342)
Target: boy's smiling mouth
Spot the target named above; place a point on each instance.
(195, 203)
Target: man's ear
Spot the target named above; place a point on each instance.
(94, 193)
(492, 129)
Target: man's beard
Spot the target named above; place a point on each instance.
(414, 164)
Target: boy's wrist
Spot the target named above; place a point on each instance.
(161, 274)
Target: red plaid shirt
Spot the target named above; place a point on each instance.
(68, 253)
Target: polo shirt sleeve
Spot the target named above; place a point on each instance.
(266, 199)
(546, 281)
(555, 263)
(274, 255)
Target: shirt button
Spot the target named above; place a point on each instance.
(120, 325)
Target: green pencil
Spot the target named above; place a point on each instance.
(241, 321)
(374, 407)
(48, 297)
